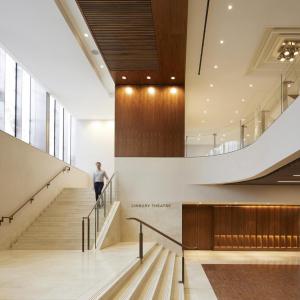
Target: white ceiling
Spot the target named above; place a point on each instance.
(242, 29)
(36, 34)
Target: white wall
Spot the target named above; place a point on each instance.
(23, 171)
(166, 181)
(93, 141)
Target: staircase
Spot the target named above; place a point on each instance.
(157, 277)
(59, 225)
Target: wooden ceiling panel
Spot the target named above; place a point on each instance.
(140, 38)
(124, 32)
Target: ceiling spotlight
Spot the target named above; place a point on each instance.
(207, 100)
(221, 42)
(237, 112)
(288, 50)
(243, 119)
(223, 134)
(173, 90)
(251, 85)
(151, 90)
(148, 77)
(124, 77)
(205, 112)
(211, 85)
(202, 121)
(101, 66)
(86, 35)
(172, 77)
(230, 7)
(248, 135)
(128, 90)
(231, 121)
(289, 85)
(216, 66)
(243, 100)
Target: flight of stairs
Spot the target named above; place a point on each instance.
(158, 277)
(59, 225)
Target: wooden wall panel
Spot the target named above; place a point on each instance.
(149, 125)
(246, 227)
(197, 226)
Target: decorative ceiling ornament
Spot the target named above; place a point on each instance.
(288, 51)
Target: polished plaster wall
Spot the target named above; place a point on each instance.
(23, 171)
(154, 189)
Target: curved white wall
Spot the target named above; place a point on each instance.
(279, 145)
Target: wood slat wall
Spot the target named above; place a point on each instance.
(149, 125)
(244, 227)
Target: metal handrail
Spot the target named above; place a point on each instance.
(31, 199)
(96, 206)
(102, 192)
(141, 254)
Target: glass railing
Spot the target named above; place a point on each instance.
(93, 222)
(238, 136)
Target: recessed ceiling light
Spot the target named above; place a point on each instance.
(243, 100)
(221, 42)
(173, 90)
(172, 77)
(148, 77)
(205, 112)
(101, 66)
(243, 119)
(207, 100)
(237, 112)
(231, 121)
(251, 85)
(202, 121)
(216, 66)
(86, 35)
(128, 90)
(248, 135)
(124, 77)
(223, 134)
(211, 85)
(151, 90)
(230, 7)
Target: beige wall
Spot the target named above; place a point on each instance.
(24, 170)
(165, 181)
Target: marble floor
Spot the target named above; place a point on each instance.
(197, 285)
(61, 274)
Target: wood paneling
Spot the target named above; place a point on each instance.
(149, 125)
(197, 226)
(140, 37)
(284, 173)
(238, 227)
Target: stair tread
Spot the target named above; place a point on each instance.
(127, 291)
(165, 289)
(151, 286)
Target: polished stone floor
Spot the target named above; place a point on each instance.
(199, 286)
(61, 275)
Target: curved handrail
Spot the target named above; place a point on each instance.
(30, 200)
(163, 234)
(102, 192)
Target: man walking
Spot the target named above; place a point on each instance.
(98, 177)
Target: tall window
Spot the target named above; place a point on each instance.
(51, 125)
(2, 88)
(67, 137)
(23, 105)
(29, 113)
(10, 95)
(59, 131)
(38, 116)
